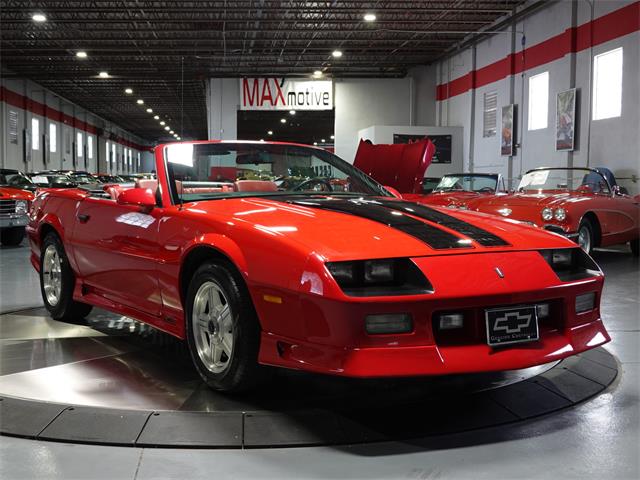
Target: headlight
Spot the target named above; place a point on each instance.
(571, 264)
(560, 214)
(384, 277)
(22, 206)
(547, 214)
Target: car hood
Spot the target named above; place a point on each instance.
(340, 228)
(9, 193)
(521, 200)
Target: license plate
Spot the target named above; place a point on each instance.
(511, 325)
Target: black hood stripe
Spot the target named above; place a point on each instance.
(434, 237)
(484, 238)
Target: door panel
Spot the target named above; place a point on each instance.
(116, 250)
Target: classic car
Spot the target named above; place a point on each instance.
(457, 189)
(14, 205)
(356, 283)
(583, 204)
(429, 183)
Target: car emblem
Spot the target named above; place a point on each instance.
(511, 322)
(499, 272)
(505, 212)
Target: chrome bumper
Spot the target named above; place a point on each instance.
(13, 220)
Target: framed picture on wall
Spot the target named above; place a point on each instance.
(508, 131)
(565, 120)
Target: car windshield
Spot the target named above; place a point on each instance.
(14, 179)
(203, 171)
(469, 183)
(564, 179)
(83, 178)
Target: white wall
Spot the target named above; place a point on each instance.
(223, 101)
(614, 143)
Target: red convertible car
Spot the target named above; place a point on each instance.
(352, 282)
(455, 190)
(583, 204)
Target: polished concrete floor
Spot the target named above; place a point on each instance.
(597, 439)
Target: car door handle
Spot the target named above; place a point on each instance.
(83, 217)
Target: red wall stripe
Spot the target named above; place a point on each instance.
(613, 25)
(37, 108)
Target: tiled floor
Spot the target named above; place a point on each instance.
(598, 439)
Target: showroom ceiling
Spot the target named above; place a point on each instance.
(164, 50)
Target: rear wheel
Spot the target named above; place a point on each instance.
(635, 247)
(12, 236)
(57, 282)
(223, 332)
(585, 235)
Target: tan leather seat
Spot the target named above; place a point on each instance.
(147, 183)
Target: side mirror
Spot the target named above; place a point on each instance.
(143, 197)
(393, 191)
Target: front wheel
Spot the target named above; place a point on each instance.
(585, 236)
(12, 236)
(223, 332)
(57, 282)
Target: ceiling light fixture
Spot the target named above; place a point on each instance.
(370, 17)
(156, 117)
(315, 143)
(292, 112)
(317, 73)
(337, 53)
(283, 120)
(332, 137)
(171, 132)
(162, 123)
(149, 110)
(128, 91)
(103, 74)
(178, 138)
(81, 54)
(270, 132)
(167, 128)
(38, 17)
(140, 101)
(323, 141)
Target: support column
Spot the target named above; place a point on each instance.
(223, 99)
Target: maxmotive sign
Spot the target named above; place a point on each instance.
(285, 94)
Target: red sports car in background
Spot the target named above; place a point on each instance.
(14, 205)
(583, 204)
(457, 189)
(351, 282)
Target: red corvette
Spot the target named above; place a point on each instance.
(583, 204)
(351, 282)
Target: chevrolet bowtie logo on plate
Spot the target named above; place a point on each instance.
(505, 212)
(511, 325)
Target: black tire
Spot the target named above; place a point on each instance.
(242, 371)
(635, 247)
(65, 309)
(586, 228)
(12, 236)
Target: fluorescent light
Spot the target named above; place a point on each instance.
(140, 101)
(337, 54)
(283, 120)
(81, 54)
(369, 17)
(38, 17)
(156, 117)
(128, 91)
(162, 122)
(317, 73)
(292, 112)
(103, 74)
(270, 132)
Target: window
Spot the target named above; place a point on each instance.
(607, 85)
(90, 146)
(35, 134)
(13, 127)
(106, 157)
(538, 101)
(53, 138)
(79, 145)
(489, 117)
(114, 160)
(138, 160)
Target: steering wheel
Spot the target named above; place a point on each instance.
(320, 181)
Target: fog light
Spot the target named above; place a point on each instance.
(387, 323)
(585, 302)
(449, 321)
(542, 310)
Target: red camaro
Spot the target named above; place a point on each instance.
(583, 204)
(351, 282)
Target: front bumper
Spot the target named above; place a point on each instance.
(13, 220)
(560, 231)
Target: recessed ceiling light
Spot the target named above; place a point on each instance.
(178, 138)
(81, 54)
(171, 132)
(292, 112)
(162, 123)
(140, 101)
(315, 143)
(323, 141)
(333, 137)
(283, 120)
(369, 17)
(270, 132)
(128, 91)
(337, 53)
(149, 110)
(156, 117)
(317, 73)
(103, 74)
(167, 128)
(38, 17)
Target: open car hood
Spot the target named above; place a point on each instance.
(400, 166)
